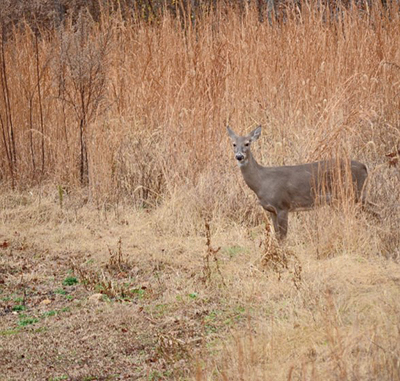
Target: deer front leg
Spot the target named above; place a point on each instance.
(280, 221)
(283, 221)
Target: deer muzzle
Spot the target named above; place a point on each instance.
(239, 156)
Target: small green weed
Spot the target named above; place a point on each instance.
(240, 309)
(60, 291)
(211, 321)
(49, 313)
(70, 281)
(155, 375)
(40, 330)
(24, 321)
(213, 315)
(161, 309)
(233, 251)
(19, 307)
(9, 332)
(59, 378)
(139, 292)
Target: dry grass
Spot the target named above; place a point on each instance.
(113, 139)
(149, 306)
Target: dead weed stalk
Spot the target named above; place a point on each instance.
(99, 281)
(210, 253)
(172, 348)
(278, 258)
(111, 279)
(117, 260)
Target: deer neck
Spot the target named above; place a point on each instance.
(251, 173)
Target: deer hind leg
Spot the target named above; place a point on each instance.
(367, 206)
(371, 208)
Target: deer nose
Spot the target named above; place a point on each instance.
(239, 157)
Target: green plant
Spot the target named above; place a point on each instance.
(49, 313)
(139, 292)
(24, 321)
(19, 307)
(161, 309)
(233, 251)
(61, 291)
(155, 375)
(70, 281)
(59, 378)
(8, 332)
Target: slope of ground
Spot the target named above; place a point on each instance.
(92, 293)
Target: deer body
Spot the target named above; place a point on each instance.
(284, 189)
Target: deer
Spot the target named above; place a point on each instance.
(291, 188)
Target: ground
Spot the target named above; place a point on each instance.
(92, 292)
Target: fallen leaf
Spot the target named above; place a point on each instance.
(5, 244)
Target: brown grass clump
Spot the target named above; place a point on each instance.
(130, 247)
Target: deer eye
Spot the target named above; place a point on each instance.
(234, 144)
(246, 144)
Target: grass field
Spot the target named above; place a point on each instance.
(130, 246)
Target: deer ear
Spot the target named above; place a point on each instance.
(255, 134)
(231, 134)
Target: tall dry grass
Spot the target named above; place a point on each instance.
(136, 111)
